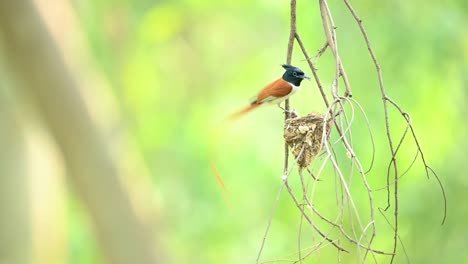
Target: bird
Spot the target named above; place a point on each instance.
(276, 92)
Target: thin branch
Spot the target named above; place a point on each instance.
(370, 134)
(319, 53)
(387, 123)
(428, 169)
(340, 227)
(292, 34)
(405, 115)
(273, 210)
(314, 70)
(310, 220)
(330, 33)
(338, 170)
(343, 125)
(285, 179)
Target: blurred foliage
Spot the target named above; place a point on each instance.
(178, 67)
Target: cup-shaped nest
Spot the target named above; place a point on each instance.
(304, 134)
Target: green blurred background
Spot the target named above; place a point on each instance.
(157, 77)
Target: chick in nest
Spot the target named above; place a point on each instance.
(304, 136)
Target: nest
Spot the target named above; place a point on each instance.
(304, 134)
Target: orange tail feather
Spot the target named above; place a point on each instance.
(236, 115)
(224, 190)
(217, 176)
(229, 119)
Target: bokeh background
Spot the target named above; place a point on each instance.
(112, 165)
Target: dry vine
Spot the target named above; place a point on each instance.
(363, 228)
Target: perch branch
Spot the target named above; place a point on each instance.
(292, 34)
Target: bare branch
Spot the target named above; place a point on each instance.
(363, 227)
(292, 34)
(330, 33)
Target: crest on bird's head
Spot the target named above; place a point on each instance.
(288, 67)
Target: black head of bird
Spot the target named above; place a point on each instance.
(294, 75)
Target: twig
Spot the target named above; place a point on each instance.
(330, 33)
(338, 170)
(343, 125)
(292, 34)
(285, 179)
(428, 169)
(387, 124)
(314, 70)
(340, 227)
(310, 220)
(275, 205)
(319, 53)
(393, 162)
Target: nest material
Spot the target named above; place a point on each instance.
(305, 134)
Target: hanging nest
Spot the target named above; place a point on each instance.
(306, 132)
